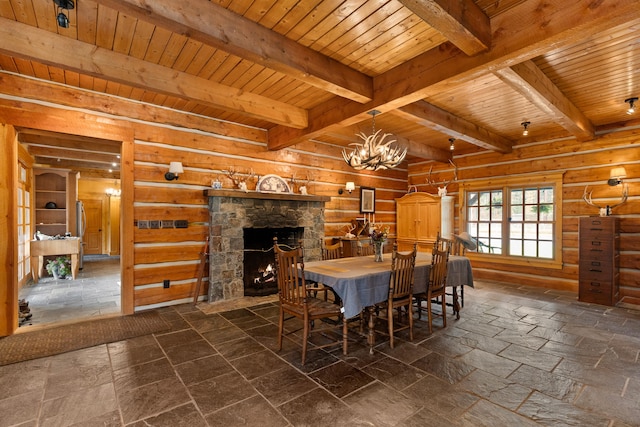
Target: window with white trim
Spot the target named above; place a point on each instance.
(517, 219)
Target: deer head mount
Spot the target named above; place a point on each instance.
(304, 182)
(442, 185)
(605, 210)
(239, 179)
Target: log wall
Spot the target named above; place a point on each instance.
(206, 149)
(583, 163)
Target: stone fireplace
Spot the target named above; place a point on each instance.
(231, 212)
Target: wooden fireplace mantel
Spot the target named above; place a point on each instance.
(265, 196)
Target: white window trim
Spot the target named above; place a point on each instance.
(554, 179)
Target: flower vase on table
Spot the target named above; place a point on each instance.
(378, 255)
(378, 237)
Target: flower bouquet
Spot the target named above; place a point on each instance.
(60, 267)
(378, 237)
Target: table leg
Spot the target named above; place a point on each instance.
(371, 339)
(74, 266)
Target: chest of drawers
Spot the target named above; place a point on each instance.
(599, 239)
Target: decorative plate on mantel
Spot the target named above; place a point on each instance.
(272, 184)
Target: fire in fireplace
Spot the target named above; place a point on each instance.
(259, 267)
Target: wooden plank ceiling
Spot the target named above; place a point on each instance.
(300, 69)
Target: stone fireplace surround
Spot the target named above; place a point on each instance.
(231, 211)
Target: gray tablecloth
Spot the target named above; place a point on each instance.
(362, 282)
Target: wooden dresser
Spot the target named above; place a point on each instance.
(599, 260)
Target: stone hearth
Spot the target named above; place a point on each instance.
(231, 211)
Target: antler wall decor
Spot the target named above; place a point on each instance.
(605, 210)
(442, 191)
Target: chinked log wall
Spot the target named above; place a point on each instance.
(585, 163)
(206, 148)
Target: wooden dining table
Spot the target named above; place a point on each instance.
(362, 283)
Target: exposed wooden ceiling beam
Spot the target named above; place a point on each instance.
(213, 25)
(66, 154)
(79, 166)
(432, 117)
(433, 71)
(528, 80)
(33, 137)
(24, 41)
(462, 22)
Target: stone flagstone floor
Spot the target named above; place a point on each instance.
(518, 356)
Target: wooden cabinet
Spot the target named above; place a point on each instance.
(599, 260)
(55, 197)
(417, 220)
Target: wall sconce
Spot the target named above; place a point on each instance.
(616, 176)
(525, 131)
(451, 144)
(350, 186)
(175, 169)
(61, 18)
(631, 102)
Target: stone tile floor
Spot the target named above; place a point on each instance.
(94, 293)
(518, 356)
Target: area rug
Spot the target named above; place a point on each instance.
(62, 339)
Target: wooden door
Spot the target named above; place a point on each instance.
(93, 234)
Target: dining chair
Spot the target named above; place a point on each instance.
(400, 291)
(365, 248)
(436, 286)
(333, 251)
(295, 301)
(454, 247)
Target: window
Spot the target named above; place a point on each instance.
(517, 220)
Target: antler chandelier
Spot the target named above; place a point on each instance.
(374, 153)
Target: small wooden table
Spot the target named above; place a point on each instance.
(41, 248)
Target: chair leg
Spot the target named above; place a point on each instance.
(410, 315)
(390, 323)
(429, 315)
(280, 329)
(305, 337)
(444, 312)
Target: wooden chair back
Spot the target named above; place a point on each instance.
(290, 274)
(365, 248)
(333, 251)
(402, 269)
(457, 248)
(401, 292)
(438, 272)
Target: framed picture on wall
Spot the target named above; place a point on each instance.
(367, 200)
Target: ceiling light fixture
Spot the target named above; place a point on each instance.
(61, 18)
(631, 102)
(525, 131)
(374, 153)
(451, 144)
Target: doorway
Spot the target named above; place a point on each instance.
(97, 289)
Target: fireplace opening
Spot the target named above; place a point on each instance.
(259, 263)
